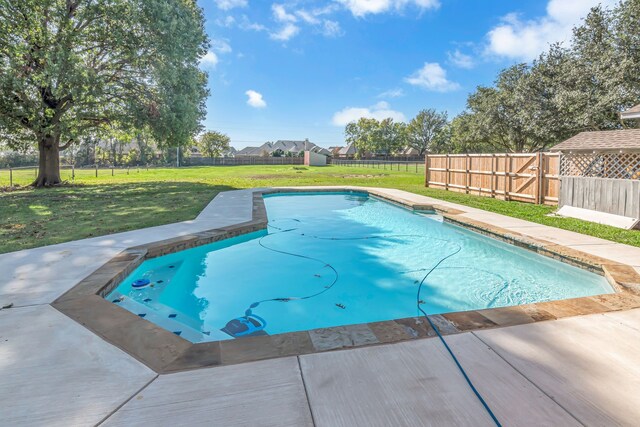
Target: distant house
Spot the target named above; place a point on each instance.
(195, 152)
(334, 150)
(231, 152)
(409, 151)
(248, 151)
(347, 152)
(284, 146)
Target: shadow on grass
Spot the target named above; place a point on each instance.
(35, 218)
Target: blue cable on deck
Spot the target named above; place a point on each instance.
(435, 328)
(444, 342)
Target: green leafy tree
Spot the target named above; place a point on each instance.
(495, 114)
(68, 67)
(213, 143)
(426, 132)
(362, 134)
(463, 137)
(390, 137)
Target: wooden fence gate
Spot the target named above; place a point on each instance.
(525, 177)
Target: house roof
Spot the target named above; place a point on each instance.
(410, 151)
(606, 140)
(247, 151)
(349, 149)
(631, 113)
(284, 145)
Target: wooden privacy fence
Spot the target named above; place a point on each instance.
(525, 177)
(614, 196)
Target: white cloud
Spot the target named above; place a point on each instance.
(289, 29)
(331, 28)
(209, 60)
(246, 24)
(228, 21)
(255, 99)
(392, 93)
(361, 8)
(221, 46)
(307, 17)
(230, 4)
(432, 77)
(285, 33)
(379, 111)
(525, 40)
(290, 21)
(460, 59)
(281, 15)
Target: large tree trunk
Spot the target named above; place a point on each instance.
(49, 162)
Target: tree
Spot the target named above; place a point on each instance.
(463, 137)
(426, 129)
(496, 114)
(390, 137)
(213, 143)
(68, 67)
(362, 135)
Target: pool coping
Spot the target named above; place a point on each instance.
(164, 352)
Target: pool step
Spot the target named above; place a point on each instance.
(168, 319)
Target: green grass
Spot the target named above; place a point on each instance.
(108, 204)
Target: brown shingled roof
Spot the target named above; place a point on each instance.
(606, 140)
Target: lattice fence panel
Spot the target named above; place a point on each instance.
(601, 165)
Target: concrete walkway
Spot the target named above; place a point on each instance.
(576, 371)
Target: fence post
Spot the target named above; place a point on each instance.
(73, 172)
(539, 178)
(112, 170)
(96, 170)
(468, 174)
(448, 174)
(426, 170)
(494, 165)
(507, 177)
(10, 177)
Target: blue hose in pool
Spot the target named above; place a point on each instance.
(418, 299)
(444, 342)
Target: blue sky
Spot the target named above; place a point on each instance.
(303, 69)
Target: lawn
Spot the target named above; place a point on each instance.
(108, 204)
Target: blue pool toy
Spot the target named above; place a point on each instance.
(247, 326)
(140, 283)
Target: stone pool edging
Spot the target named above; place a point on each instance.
(163, 351)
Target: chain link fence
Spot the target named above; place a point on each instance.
(25, 175)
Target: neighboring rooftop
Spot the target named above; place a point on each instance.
(606, 140)
(284, 145)
(248, 151)
(349, 150)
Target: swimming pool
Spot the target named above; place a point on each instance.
(330, 259)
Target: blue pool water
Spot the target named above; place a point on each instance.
(338, 259)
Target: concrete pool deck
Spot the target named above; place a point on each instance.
(576, 370)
